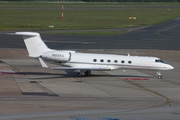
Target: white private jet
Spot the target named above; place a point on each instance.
(85, 62)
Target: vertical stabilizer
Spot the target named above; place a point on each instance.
(34, 43)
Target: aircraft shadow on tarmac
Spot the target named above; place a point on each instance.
(73, 74)
(46, 75)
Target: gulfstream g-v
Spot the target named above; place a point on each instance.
(86, 62)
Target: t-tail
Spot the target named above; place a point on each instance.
(34, 44)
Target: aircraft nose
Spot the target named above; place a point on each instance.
(169, 67)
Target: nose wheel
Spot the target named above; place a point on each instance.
(159, 75)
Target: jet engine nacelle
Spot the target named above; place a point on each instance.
(58, 56)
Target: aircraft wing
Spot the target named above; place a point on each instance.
(82, 68)
(85, 67)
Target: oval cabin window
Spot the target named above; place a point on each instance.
(115, 61)
(101, 60)
(94, 60)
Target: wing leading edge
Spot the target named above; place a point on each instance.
(82, 68)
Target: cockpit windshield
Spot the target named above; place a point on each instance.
(159, 60)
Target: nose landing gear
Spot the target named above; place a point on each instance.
(159, 75)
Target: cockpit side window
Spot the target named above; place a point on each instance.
(156, 60)
(159, 60)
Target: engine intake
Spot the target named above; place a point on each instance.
(58, 56)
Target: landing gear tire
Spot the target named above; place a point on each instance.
(83, 73)
(87, 73)
(79, 75)
(160, 77)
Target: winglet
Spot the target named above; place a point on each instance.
(43, 63)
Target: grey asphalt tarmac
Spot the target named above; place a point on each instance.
(164, 36)
(30, 92)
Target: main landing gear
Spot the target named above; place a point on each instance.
(159, 75)
(83, 73)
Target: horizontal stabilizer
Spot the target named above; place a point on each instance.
(30, 34)
(43, 63)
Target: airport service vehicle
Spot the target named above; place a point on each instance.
(86, 62)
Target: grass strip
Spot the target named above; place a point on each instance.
(32, 16)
